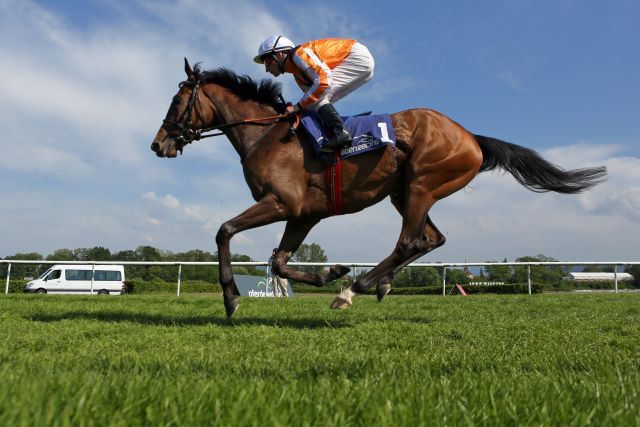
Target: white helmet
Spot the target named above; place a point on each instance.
(271, 45)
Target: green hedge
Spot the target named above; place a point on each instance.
(304, 288)
(470, 289)
(596, 284)
(15, 286)
(139, 286)
(427, 290)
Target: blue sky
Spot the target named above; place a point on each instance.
(85, 85)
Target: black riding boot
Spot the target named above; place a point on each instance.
(333, 122)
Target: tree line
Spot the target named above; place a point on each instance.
(306, 253)
(408, 277)
(549, 275)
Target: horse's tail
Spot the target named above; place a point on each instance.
(534, 172)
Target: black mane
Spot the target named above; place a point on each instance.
(264, 91)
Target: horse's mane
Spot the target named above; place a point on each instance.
(264, 91)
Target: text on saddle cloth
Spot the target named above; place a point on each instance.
(368, 133)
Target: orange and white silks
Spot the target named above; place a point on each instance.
(328, 69)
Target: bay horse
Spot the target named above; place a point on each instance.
(433, 158)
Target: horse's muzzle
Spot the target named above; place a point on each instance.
(155, 147)
(167, 145)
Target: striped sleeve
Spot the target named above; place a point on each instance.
(318, 73)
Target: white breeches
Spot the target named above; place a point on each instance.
(349, 75)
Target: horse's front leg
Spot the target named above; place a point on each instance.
(294, 234)
(268, 210)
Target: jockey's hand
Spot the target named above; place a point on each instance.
(293, 109)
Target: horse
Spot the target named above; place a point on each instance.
(433, 158)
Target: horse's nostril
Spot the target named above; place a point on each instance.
(155, 146)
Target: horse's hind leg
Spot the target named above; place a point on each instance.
(431, 234)
(417, 237)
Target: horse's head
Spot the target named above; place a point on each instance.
(183, 118)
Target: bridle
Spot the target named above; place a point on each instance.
(184, 124)
(188, 134)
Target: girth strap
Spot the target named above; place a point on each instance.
(333, 175)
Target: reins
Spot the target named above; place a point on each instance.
(200, 133)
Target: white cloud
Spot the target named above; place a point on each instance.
(44, 161)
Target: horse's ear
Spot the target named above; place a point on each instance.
(188, 70)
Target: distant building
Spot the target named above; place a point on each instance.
(599, 277)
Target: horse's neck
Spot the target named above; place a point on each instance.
(231, 110)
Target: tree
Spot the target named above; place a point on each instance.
(545, 274)
(127, 255)
(195, 272)
(97, 253)
(634, 270)
(310, 253)
(598, 269)
(20, 271)
(149, 272)
(130, 271)
(498, 273)
(417, 276)
(148, 253)
(62, 255)
(456, 276)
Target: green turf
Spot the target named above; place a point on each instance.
(421, 360)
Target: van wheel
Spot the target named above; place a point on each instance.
(41, 291)
(103, 292)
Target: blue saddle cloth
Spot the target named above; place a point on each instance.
(368, 133)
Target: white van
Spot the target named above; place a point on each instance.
(79, 279)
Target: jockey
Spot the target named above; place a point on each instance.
(326, 70)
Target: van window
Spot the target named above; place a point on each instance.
(55, 274)
(111, 276)
(77, 274)
(43, 275)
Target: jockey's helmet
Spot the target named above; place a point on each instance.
(271, 45)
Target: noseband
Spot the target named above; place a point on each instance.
(184, 123)
(188, 133)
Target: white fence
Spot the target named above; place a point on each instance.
(354, 266)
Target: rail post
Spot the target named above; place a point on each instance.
(179, 279)
(93, 275)
(529, 279)
(6, 287)
(444, 281)
(615, 278)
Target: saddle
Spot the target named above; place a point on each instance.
(369, 132)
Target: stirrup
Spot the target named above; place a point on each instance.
(341, 138)
(332, 145)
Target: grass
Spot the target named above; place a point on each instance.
(421, 360)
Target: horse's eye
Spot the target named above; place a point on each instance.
(176, 101)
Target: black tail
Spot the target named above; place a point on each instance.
(534, 172)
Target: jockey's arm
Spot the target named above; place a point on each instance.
(316, 72)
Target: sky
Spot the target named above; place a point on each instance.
(84, 86)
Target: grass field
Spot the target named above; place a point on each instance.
(478, 360)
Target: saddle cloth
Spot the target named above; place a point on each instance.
(368, 133)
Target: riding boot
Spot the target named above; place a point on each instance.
(333, 122)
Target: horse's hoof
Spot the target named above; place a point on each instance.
(340, 303)
(231, 305)
(340, 270)
(382, 290)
